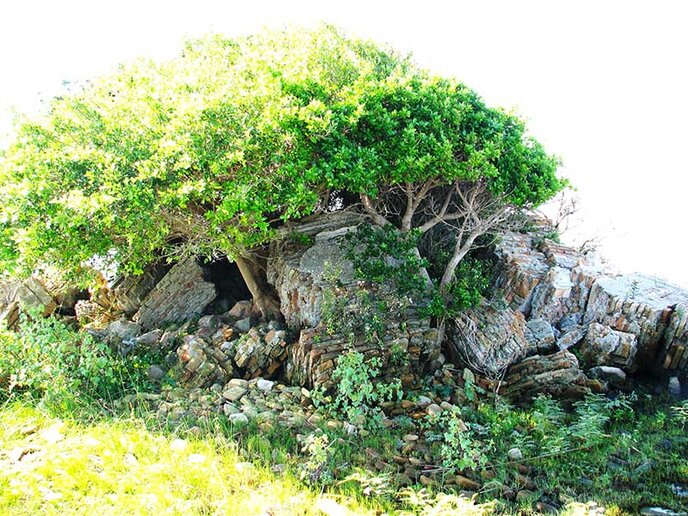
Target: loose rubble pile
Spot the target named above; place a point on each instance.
(269, 403)
(570, 325)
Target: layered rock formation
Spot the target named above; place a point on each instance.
(180, 295)
(316, 282)
(633, 323)
(29, 293)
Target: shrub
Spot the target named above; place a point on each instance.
(52, 362)
(357, 391)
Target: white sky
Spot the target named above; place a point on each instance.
(603, 84)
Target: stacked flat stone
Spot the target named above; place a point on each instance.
(632, 322)
(179, 296)
(301, 274)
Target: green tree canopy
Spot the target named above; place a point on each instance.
(219, 147)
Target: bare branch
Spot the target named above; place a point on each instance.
(369, 207)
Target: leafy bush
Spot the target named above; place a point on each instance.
(460, 448)
(317, 468)
(357, 393)
(55, 363)
(470, 285)
(385, 255)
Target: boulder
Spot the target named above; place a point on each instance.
(241, 310)
(558, 374)
(16, 295)
(300, 274)
(488, 339)
(635, 304)
(303, 272)
(179, 296)
(540, 336)
(571, 336)
(604, 346)
(611, 375)
(122, 330)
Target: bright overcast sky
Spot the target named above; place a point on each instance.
(603, 84)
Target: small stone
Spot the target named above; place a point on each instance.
(466, 483)
(524, 495)
(123, 329)
(209, 323)
(149, 339)
(264, 385)
(238, 382)
(424, 401)
(234, 393)
(546, 508)
(350, 429)
(409, 438)
(487, 474)
(525, 482)
(387, 423)
(433, 409)
(407, 404)
(426, 481)
(243, 325)
(680, 490)
(230, 409)
(381, 465)
(403, 480)
(238, 419)
(674, 387)
(241, 310)
(613, 375)
(514, 454)
(156, 373)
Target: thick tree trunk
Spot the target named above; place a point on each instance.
(265, 302)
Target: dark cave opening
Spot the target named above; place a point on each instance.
(229, 284)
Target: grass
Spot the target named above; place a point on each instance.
(65, 449)
(54, 466)
(135, 465)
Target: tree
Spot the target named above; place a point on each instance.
(212, 152)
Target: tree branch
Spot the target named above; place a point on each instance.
(369, 207)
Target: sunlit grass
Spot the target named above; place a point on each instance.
(50, 466)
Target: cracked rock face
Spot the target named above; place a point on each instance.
(633, 322)
(302, 275)
(179, 296)
(558, 374)
(29, 293)
(489, 339)
(605, 346)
